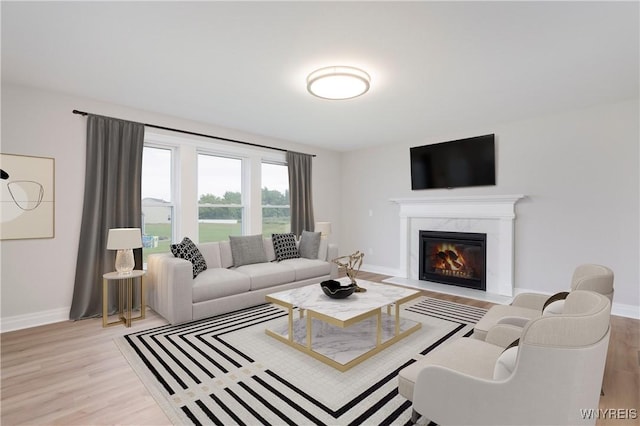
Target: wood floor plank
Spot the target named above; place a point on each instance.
(72, 373)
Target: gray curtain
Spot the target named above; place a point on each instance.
(300, 195)
(112, 199)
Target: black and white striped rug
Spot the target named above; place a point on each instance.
(225, 370)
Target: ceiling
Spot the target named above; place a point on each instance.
(434, 66)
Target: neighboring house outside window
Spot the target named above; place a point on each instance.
(157, 200)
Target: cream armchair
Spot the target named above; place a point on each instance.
(526, 306)
(552, 377)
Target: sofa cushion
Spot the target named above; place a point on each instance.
(226, 259)
(285, 246)
(308, 268)
(268, 249)
(267, 274)
(309, 244)
(211, 254)
(247, 249)
(219, 282)
(187, 250)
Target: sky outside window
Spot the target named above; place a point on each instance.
(275, 177)
(218, 175)
(156, 173)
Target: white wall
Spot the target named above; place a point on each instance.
(37, 276)
(579, 170)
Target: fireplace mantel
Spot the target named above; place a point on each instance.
(490, 214)
(476, 206)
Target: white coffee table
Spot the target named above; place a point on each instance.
(343, 332)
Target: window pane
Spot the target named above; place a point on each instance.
(156, 173)
(276, 214)
(157, 234)
(157, 208)
(219, 184)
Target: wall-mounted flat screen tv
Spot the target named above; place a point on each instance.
(463, 162)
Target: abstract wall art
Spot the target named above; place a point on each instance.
(27, 197)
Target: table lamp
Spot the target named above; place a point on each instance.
(124, 240)
(324, 228)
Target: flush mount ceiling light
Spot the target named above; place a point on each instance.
(338, 82)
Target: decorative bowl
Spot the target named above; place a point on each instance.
(335, 290)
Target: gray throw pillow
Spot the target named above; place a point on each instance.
(247, 249)
(309, 244)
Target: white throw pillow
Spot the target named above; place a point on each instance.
(505, 364)
(554, 308)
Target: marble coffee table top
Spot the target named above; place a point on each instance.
(312, 297)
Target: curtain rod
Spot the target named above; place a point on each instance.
(75, 111)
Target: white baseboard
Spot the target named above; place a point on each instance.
(19, 322)
(383, 270)
(623, 310)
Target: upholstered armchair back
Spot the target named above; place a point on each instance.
(593, 277)
(584, 321)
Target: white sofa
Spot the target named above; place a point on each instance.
(173, 292)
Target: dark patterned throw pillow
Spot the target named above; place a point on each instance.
(284, 245)
(187, 250)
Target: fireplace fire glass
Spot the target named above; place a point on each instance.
(454, 258)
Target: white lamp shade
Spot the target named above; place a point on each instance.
(124, 238)
(324, 228)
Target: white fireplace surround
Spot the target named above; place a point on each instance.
(493, 215)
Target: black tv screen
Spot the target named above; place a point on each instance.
(463, 162)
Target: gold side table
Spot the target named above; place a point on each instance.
(125, 297)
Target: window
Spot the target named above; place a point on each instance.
(208, 191)
(157, 200)
(276, 212)
(220, 204)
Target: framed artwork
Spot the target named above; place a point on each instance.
(27, 197)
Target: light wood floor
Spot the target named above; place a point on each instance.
(72, 373)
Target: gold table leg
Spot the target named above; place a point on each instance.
(309, 324)
(125, 288)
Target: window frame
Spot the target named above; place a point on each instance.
(243, 196)
(173, 187)
(263, 206)
(185, 150)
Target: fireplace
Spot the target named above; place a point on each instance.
(455, 258)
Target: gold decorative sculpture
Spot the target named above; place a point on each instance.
(351, 265)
